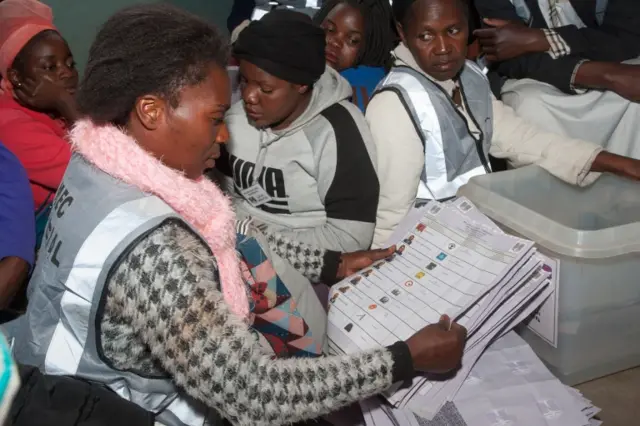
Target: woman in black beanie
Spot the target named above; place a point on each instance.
(301, 155)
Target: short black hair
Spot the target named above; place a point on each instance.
(401, 7)
(380, 36)
(20, 61)
(148, 49)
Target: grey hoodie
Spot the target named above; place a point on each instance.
(319, 172)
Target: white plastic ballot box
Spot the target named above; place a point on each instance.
(594, 234)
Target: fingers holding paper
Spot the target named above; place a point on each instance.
(438, 348)
(350, 263)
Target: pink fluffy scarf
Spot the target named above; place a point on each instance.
(200, 203)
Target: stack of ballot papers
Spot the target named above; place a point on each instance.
(450, 259)
(508, 386)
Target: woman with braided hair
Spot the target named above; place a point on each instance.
(360, 36)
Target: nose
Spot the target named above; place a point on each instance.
(250, 95)
(442, 46)
(334, 41)
(66, 72)
(223, 134)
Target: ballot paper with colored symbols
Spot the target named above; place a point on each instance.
(452, 260)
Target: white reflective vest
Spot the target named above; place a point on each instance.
(452, 155)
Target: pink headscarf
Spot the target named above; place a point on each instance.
(20, 21)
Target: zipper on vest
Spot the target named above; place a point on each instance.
(479, 141)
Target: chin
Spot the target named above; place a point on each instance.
(259, 124)
(444, 77)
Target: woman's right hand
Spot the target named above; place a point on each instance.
(438, 348)
(46, 95)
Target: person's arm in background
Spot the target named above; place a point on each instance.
(616, 40)
(572, 74)
(14, 272)
(400, 162)
(559, 56)
(17, 227)
(572, 160)
(347, 184)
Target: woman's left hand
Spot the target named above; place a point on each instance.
(350, 263)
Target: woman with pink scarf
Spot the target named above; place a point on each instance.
(140, 286)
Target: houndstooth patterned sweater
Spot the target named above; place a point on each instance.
(164, 313)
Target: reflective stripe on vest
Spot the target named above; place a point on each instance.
(68, 343)
(95, 220)
(445, 170)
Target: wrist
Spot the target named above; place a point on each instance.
(539, 42)
(402, 362)
(612, 163)
(332, 263)
(596, 75)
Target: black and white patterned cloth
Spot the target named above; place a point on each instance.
(164, 314)
(559, 47)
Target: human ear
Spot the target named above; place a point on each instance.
(400, 30)
(14, 77)
(150, 111)
(302, 89)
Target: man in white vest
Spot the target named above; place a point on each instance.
(435, 122)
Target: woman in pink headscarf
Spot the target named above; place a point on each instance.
(37, 103)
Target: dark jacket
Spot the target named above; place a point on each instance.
(616, 40)
(45, 400)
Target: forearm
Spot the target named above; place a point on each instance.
(335, 235)
(523, 143)
(607, 162)
(600, 75)
(317, 265)
(216, 358)
(14, 272)
(610, 44)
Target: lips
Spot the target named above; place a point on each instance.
(445, 66)
(253, 114)
(210, 162)
(331, 57)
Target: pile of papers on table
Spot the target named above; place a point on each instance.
(450, 259)
(508, 386)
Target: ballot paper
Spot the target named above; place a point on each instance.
(450, 259)
(508, 386)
